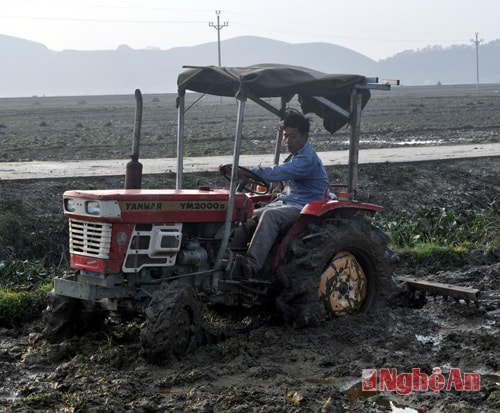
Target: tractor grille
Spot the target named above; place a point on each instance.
(92, 239)
(153, 245)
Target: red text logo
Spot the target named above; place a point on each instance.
(405, 383)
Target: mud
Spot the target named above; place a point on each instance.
(269, 367)
(278, 368)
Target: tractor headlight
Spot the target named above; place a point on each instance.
(69, 205)
(93, 208)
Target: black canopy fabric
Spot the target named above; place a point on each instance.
(275, 80)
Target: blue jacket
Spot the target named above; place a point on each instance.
(303, 174)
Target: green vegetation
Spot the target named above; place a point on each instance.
(18, 306)
(37, 400)
(18, 274)
(25, 235)
(438, 238)
(32, 251)
(23, 288)
(443, 227)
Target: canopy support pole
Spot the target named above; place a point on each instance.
(180, 140)
(279, 134)
(234, 180)
(355, 123)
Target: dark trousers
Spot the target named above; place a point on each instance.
(270, 221)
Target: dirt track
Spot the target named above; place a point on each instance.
(115, 167)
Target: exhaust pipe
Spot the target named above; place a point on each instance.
(133, 173)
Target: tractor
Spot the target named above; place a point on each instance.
(168, 253)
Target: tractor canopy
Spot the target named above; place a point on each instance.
(336, 98)
(276, 80)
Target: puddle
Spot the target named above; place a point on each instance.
(399, 408)
(330, 381)
(488, 375)
(434, 339)
(354, 391)
(404, 142)
(495, 378)
(11, 388)
(8, 396)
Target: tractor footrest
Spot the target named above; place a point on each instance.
(445, 290)
(252, 285)
(251, 281)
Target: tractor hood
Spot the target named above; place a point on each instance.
(275, 80)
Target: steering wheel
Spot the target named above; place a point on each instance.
(248, 181)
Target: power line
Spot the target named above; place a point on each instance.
(92, 20)
(218, 27)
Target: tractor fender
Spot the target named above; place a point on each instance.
(319, 208)
(312, 213)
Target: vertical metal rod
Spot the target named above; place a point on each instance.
(133, 170)
(476, 43)
(218, 27)
(218, 38)
(279, 137)
(477, 63)
(355, 122)
(234, 182)
(180, 140)
(137, 125)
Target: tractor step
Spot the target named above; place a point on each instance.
(255, 286)
(445, 290)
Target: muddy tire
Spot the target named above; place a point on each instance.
(173, 323)
(66, 316)
(315, 255)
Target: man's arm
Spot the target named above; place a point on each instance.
(297, 168)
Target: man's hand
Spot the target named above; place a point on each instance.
(221, 169)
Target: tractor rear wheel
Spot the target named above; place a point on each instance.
(340, 268)
(173, 323)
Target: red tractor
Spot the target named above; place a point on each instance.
(168, 253)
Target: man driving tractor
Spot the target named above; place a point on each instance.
(304, 178)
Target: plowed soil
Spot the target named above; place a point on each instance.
(277, 368)
(274, 367)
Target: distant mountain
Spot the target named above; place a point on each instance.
(29, 68)
(452, 65)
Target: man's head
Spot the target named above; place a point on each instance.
(295, 131)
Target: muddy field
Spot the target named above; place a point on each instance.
(46, 128)
(274, 367)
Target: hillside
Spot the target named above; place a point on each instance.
(30, 68)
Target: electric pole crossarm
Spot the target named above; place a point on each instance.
(218, 27)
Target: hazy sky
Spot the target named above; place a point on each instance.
(375, 28)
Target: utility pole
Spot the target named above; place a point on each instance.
(477, 42)
(218, 27)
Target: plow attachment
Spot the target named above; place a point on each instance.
(445, 290)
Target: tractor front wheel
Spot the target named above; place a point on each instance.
(173, 323)
(67, 316)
